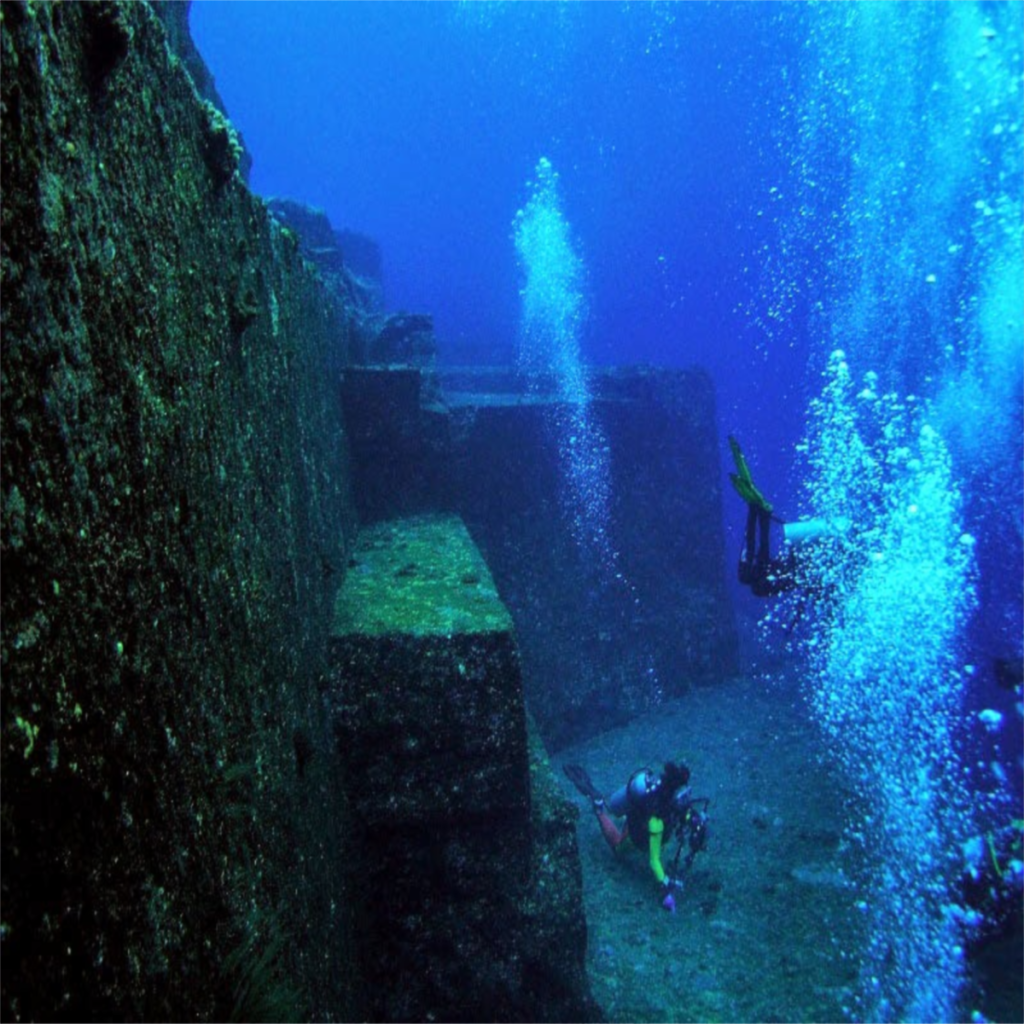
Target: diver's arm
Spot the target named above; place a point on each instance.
(655, 831)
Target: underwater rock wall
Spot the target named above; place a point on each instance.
(601, 641)
(174, 15)
(349, 262)
(175, 523)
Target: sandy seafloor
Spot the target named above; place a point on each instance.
(763, 927)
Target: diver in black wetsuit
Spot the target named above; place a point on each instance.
(657, 806)
(767, 576)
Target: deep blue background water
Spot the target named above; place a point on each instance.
(420, 125)
(748, 185)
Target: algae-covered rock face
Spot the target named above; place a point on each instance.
(176, 522)
(419, 577)
(175, 516)
(427, 693)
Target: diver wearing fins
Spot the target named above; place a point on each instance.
(656, 808)
(767, 576)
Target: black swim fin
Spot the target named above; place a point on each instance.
(581, 780)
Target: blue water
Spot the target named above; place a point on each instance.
(822, 206)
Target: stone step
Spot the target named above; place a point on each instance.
(427, 692)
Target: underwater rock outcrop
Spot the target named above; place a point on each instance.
(600, 642)
(349, 262)
(399, 442)
(173, 15)
(465, 853)
(177, 518)
(351, 267)
(176, 515)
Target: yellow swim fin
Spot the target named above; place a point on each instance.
(742, 480)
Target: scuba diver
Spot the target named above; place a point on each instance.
(992, 883)
(767, 576)
(657, 807)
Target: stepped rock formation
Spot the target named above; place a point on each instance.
(467, 845)
(600, 643)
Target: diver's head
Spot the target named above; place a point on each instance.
(675, 775)
(676, 797)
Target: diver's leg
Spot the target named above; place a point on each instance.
(764, 522)
(748, 551)
(611, 834)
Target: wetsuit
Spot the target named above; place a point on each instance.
(650, 836)
(645, 825)
(766, 576)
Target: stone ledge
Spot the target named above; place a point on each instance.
(427, 694)
(464, 852)
(421, 576)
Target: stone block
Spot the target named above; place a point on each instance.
(427, 698)
(601, 640)
(399, 443)
(464, 852)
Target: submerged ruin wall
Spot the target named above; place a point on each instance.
(179, 511)
(175, 520)
(604, 636)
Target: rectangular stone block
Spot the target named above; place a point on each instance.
(427, 692)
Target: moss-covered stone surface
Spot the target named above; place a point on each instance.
(418, 576)
(184, 836)
(175, 521)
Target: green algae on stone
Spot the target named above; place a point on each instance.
(421, 576)
(175, 505)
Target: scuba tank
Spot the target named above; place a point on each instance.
(807, 530)
(641, 785)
